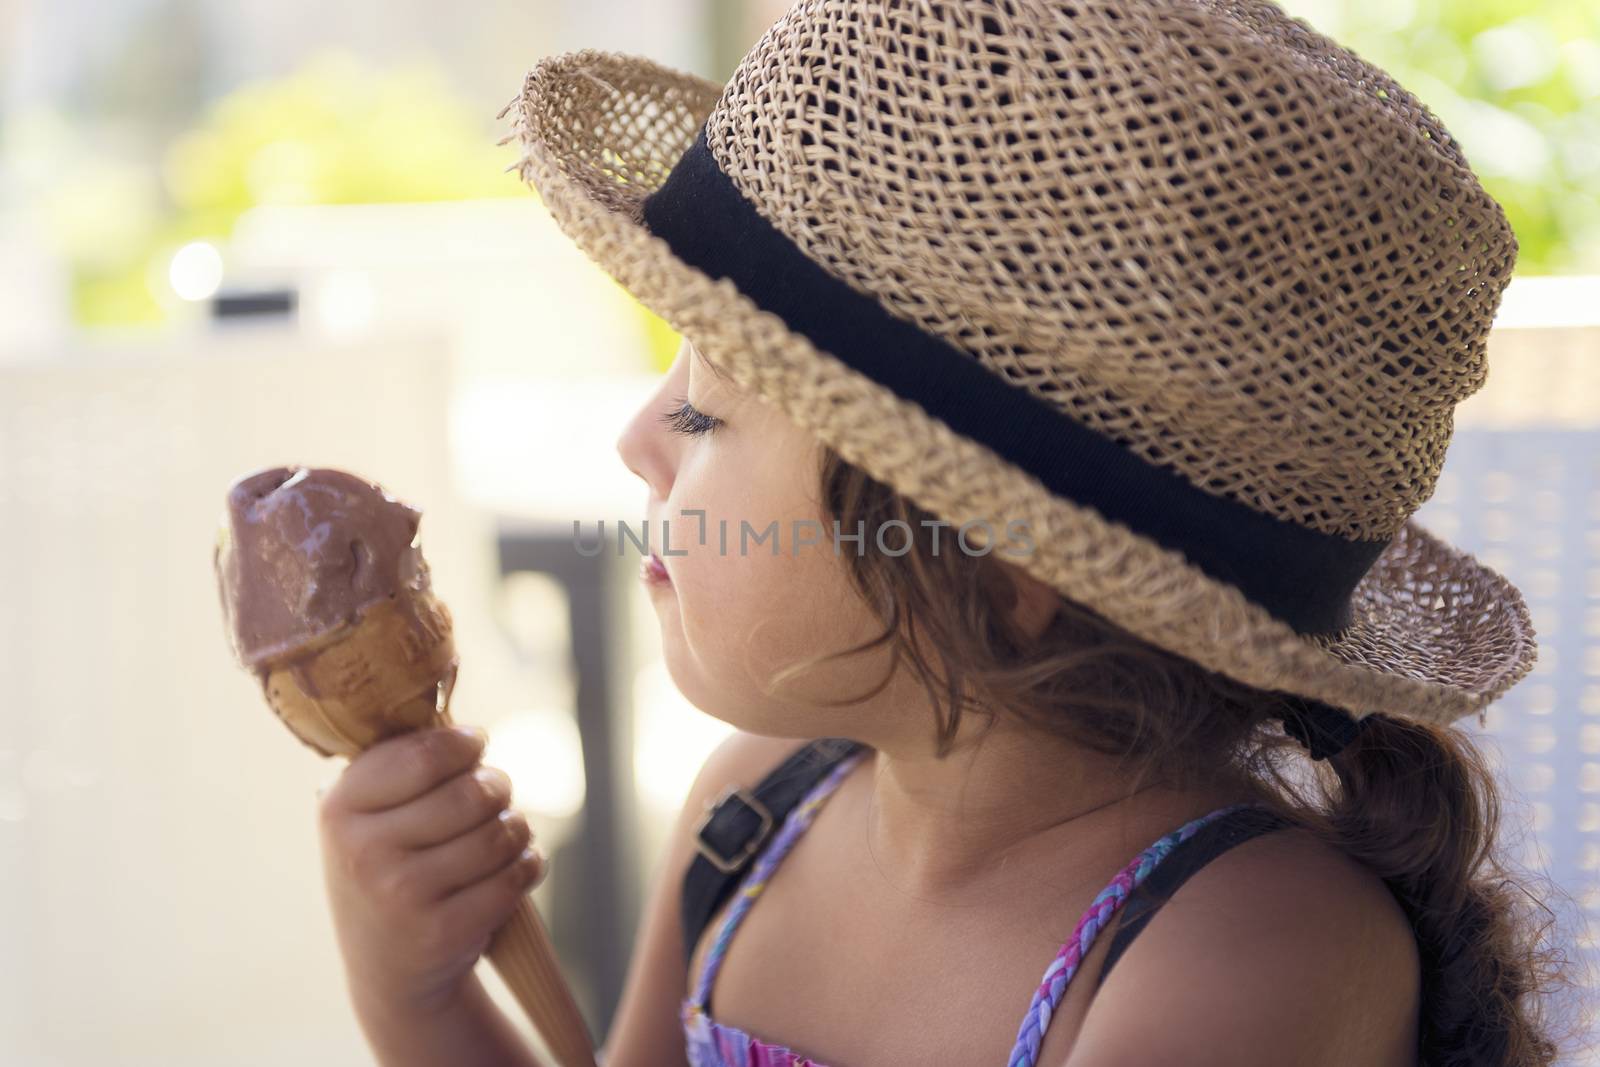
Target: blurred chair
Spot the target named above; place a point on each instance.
(1520, 489)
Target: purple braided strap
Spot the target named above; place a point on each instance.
(1025, 1052)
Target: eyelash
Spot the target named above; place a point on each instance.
(686, 420)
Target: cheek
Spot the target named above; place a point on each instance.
(740, 613)
(744, 600)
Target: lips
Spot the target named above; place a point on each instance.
(653, 570)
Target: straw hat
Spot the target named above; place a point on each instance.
(1184, 285)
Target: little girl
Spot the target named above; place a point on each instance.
(1057, 386)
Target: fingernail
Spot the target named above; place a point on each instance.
(478, 732)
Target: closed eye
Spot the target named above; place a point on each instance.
(686, 420)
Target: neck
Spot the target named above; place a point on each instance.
(945, 829)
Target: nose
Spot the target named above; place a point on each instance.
(642, 446)
(646, 446)
(631, 449)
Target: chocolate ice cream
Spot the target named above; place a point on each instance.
(303, 552)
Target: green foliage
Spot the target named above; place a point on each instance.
(334, 132)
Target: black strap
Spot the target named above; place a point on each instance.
(734, 830)
(1187, 857)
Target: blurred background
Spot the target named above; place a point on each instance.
(243, 234)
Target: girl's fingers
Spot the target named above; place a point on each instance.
(448, 811)
(399, 769)
(480, 909)
(473, 856)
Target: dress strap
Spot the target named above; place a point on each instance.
(1205, 846)
(793, 826)
(739, 822)
(1025, 1052)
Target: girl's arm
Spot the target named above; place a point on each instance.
(468, 1030)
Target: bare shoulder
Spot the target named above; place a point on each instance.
(1281, 950)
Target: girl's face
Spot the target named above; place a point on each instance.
(736, 610)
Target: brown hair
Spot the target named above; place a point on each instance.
(1417, 804)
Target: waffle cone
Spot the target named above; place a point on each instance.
(524, 958)
(372, 680)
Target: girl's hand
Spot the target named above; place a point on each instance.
(423, 862)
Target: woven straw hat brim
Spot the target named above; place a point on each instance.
(1436, 635)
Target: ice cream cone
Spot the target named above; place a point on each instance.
(328, 603)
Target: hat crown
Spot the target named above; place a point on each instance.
(1200, 228)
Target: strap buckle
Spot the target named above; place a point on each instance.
(727, 815)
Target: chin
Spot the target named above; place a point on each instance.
(738, 706)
